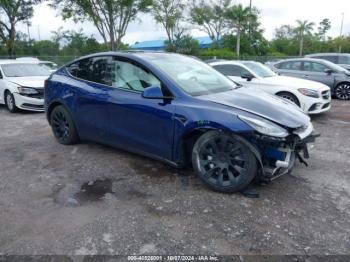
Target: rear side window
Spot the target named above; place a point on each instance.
(344, 60)
(231, 70)
(333, 59)
(294, 65)
(314, 67)
(94, 69)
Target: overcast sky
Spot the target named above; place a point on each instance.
(273, 14)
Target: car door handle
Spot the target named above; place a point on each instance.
(306, 76)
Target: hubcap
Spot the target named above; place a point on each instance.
(9, 101)
(223, 161)
(289, 98)
(343, 91)
(60, 125)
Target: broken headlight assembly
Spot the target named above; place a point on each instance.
(26, 90)
(265, 127)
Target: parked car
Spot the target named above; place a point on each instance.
(48, 64)
(341, 59)
(312, 97)
(22, 85)
(336, 77)
(138, 102)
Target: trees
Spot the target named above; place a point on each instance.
(169, 13)
(210, 18)
(323, 28)
(303, 28)
(237, 16)
(110, 17)
(11, 13)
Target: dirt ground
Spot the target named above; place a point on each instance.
(151, 208)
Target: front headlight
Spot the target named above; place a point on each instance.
(309, 92)
(265, 127)
(27, 90)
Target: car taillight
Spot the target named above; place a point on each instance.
(46, 83)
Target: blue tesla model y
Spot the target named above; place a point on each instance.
(179, 110)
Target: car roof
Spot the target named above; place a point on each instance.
(12, 61)
(328, 54)
(307, 59)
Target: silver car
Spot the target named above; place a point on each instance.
(341, 59)
(336, 77)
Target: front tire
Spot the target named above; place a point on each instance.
(223, 162)
(10, 102)
(290, 97)
(63, 126)
(342, 91)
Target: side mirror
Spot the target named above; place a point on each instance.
(328, 71)
(154, 92)
(248, 76)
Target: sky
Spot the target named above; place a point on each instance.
(273, 13)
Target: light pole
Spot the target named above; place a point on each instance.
(341, 30)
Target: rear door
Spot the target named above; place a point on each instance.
(90, 86)
(290, 68)
(316, 71)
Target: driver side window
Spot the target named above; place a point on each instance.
(129, 76)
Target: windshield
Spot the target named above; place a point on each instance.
(193, 76)
(259, 69)
(21, 70)
(49, 65)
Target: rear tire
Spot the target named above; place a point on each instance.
(10, 102)
(223, 162)
(290, 97)
(342, 91)
(63, 126)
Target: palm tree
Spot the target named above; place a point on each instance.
(236, 16)
(303, 28)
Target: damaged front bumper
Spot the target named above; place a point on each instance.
(278, 156)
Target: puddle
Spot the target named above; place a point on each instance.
(75, 195)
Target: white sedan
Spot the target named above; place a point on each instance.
(22, 85)
(312, 97)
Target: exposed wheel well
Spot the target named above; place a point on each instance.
(344, 82)
(289, 93)
(188, 143)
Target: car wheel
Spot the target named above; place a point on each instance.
(10, 102)
(63, 127)
(223, 162)
(342, 91)
(290, 97)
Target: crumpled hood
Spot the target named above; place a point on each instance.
(295, 82)
(262, 104)
(32, 81)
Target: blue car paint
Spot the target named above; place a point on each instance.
(155, 127)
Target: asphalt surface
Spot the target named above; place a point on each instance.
(151, 208)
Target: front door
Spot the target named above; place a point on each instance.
(316, 72)
(137, 123)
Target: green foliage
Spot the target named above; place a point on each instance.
(218, 53)
(11, 13)
(110, 17)
(184, 45)
(209, 16)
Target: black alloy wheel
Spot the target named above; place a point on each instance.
(223, 162)
(342, 91)
(62, 126)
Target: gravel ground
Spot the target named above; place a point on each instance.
(151, 208)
